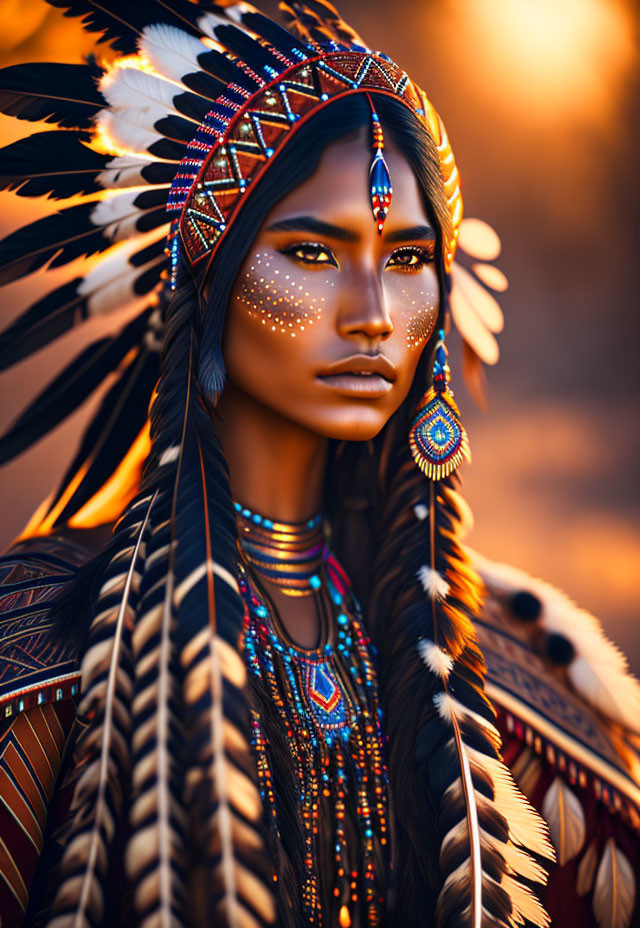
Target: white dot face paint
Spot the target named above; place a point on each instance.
(272, 296)
(423, 310)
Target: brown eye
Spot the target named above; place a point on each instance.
(311, 253)
(411, 259)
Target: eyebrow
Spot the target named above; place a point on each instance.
(313, 225)
(319, 227)
(412, 233)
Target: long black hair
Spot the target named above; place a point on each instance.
(177, 544)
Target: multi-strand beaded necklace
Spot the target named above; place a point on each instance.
(326, 703)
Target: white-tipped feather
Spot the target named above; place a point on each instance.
(154, 845)
(80, 895)
(484, 305)
(563, 813)
(469, 325)
(114, 266)
(125, 135)
(479, 239)
(527, 831)
(124, 171)
(119, 293)
(432, 582)
(132, 89)
(209, 22)
(615, 889)
(435, 658)
(599, 672)
(491, 276)
(170, 51)
(117, 207)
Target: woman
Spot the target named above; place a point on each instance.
(283, 715)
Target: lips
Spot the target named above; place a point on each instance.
(360, 375)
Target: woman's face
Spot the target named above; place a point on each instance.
(327, 319)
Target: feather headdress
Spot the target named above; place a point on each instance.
(182, 124)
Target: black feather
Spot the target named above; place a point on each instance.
(121, 21)
(70, 388)
(176, 129)
(54, 163)
(274, 33)
(224, 69)
(112, 431)
(254, 55)
(67, 235)
(66, 94)
(42, 323)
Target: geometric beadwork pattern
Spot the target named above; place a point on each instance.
(237, 140)
(36, 666)
(437, 437)
(325, 696)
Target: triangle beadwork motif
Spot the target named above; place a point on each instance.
(256, 132)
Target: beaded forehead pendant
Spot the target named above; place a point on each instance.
(379, 179)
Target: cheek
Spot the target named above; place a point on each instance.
(413, 303)
(284, 303)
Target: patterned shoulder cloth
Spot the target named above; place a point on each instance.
(39, 680)
(569, 714)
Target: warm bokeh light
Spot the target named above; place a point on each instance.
(550, 57)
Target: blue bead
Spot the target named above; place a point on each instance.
(269, 152)
(256, 518)
(247, 513)
(342, 619)
(267, 523)
(315, 582)
(324, 96)
(237, 507)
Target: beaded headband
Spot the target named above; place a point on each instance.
(229, 154)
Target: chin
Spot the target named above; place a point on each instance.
(355, 424)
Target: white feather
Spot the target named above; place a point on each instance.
(126, 135)
(437, 660)
(171, 52)
(564, 815)
(485, 306)
(470, 326)
(432, 582)
(115, 261)
(124, 171)
(209, 22)
(118, 207)
(491, 276)
(615, 890)
(479, 239)
(526, 827)
(600, 672)
(131, 88)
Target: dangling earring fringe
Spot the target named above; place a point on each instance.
(437, 438)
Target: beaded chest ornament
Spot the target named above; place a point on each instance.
(327, 705)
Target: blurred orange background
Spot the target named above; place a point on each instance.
(540, 99)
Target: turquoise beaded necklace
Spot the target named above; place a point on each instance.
(326, 703)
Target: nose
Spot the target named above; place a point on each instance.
(363, 316)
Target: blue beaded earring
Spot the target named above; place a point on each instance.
(437, 437)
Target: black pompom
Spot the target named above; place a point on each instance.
(526, 606)
(559, 649)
